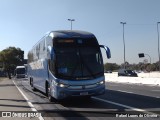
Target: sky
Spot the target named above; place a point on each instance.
(24, 22)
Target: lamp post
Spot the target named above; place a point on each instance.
(149, 57)
(143, 55)
(158, 44)
(123, 23)
(71, 20)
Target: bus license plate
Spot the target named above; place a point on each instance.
(84, 93)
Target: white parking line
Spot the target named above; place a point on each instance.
(29, 103)
(124, 91)
(125, 106)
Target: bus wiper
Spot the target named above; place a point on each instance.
(88, 69)
(74, 69)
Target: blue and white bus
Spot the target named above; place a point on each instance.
(67, 63)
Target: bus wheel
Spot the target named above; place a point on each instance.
(87, 98)
(49, 93)
(31, 83)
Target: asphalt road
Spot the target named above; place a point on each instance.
(120, 100)
(13, 106)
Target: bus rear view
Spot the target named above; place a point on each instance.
(75, 65)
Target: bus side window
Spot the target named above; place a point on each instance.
(44, 43)
(38, 50)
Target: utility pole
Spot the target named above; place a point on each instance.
(158, 44)
(123, 23)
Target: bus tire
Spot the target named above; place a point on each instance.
(50, 98)
(87, 98)
(32, 86)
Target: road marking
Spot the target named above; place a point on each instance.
(124, 91)
(29, 103)
(155, 90)
(125, 106)
(113, 85)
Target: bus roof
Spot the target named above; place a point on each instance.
(70, 34)
(67, 34)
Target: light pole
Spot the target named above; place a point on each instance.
(71, 20)
(143, 55)
(149, 57)
(123, 23)
(158, 44)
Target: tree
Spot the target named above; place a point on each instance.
(111, 66)
(10, 58)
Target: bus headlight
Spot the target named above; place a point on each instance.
(54, 83)
(101, 82)
(62, 85)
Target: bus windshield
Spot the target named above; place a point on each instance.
(21, 71)
(78, 60)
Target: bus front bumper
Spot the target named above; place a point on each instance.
(63, 93)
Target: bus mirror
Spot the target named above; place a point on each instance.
(108, 52)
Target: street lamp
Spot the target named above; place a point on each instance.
(158, 45)
(123, 23)
(71, 20)
(143, 55)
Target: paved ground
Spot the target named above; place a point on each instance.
(12, 100)
(119, 98)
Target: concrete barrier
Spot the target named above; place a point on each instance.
(149, 75)
(144, 78)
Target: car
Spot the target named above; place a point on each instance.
(107, 71)
(126, 72)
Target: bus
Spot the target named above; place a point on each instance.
(20, 72)
(67, 63)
